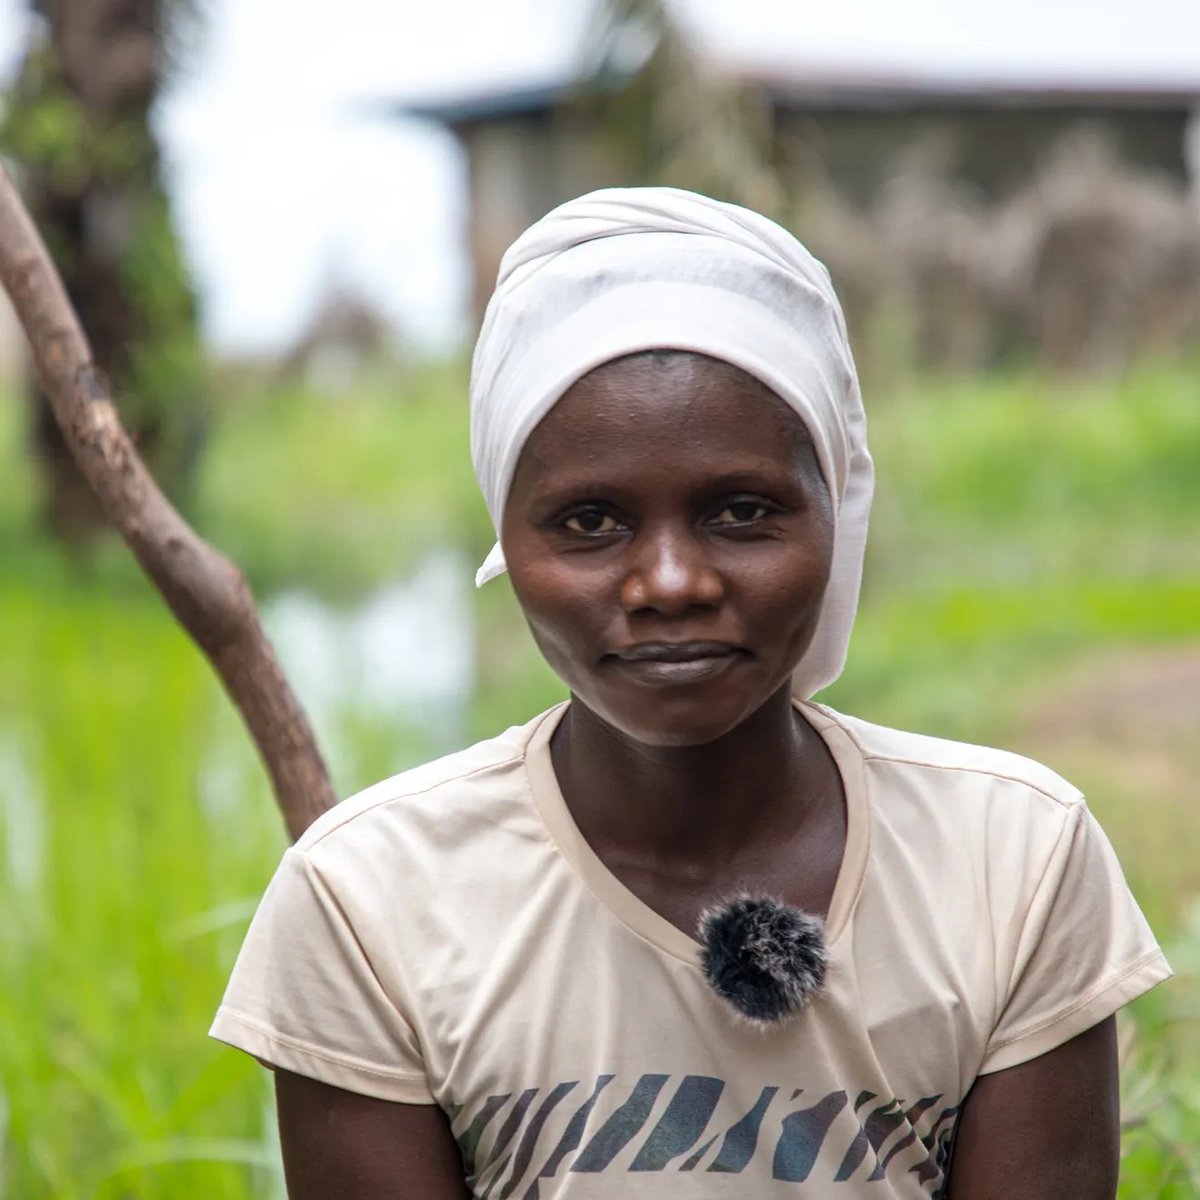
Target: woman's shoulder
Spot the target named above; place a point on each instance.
(943, 766)
(467, 785)
(987, 837)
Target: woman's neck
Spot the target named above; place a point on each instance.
(691, 805)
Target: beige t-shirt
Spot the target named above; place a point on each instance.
(449, 936)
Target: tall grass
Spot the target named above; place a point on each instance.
(1024, 530)
(134, 817)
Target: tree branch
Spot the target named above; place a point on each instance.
(205, 591)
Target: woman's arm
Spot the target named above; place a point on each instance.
(1045, 1129)
(338, 1145)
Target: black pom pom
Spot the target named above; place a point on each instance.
(765, 958)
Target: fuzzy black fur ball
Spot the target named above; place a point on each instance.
(765, 958)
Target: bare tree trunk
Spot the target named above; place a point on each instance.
(204, 589)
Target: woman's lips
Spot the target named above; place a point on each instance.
(669, 664)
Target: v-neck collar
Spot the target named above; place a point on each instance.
(638, 915)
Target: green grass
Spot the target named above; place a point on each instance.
(134, 812)
(342, 493)
(1025, 531)
(1161, 1080)
(1064, 480)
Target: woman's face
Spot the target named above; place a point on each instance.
(669, 535)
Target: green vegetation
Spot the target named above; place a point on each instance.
(1032, 541)
(340, 493)
(79, 138)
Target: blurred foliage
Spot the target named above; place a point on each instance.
(76, 126)
(1025, 529)
(1085, 265)
(123, 779)
(340, 493)
(670, 118)
(49, 129)
(1160, 1080)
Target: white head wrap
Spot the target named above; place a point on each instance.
(628, 269)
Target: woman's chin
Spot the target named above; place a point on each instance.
(674, 721)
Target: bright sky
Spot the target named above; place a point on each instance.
(1063, 40)
(282, 186)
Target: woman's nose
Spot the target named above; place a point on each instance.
(670, 573)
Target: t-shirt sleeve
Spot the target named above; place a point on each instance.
(1083, 951)
(304, 996)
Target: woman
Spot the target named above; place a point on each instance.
(485, 977)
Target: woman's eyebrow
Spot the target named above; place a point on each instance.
(748, 479)
(599, 485)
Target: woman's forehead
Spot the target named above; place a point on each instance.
(647, 367)
(671, 404)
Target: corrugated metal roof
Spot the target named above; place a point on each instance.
(825, 90)
(491, 105)
(867, 53)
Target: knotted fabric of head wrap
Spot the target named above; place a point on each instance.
(629, 269)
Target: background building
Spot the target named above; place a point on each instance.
(1030, 210)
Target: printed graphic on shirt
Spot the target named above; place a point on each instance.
(513, 1143)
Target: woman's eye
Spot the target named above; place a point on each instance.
(740, 512)
(591, 521)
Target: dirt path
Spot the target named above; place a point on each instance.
(1126, 729)
(1143, 698)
